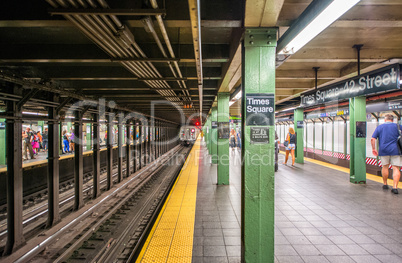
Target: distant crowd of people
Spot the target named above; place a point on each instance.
(33, 142)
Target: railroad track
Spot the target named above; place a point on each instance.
(131, 200)
(35, 217)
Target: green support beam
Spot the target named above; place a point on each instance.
(223, 138)
(258, 151)
(299, 129)
(209, 135)
(357, 116)
(214, 136)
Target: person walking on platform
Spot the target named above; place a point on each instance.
(28, 144)
(290, 144)
(387, 135)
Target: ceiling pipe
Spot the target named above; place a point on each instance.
(103, 33)
(162, 27)
(316, 76)
(149, 27)
(358, 48)
(135, 45)
(195, 17)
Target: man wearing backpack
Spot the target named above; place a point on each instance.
(387, 135)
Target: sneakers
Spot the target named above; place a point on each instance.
(394, 191)
(385, 187)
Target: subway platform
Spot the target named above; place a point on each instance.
(319, 216)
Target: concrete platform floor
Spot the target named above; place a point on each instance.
(320, 217)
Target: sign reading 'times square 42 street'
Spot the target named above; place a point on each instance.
(365, 84)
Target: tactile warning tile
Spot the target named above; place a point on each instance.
(171, 238)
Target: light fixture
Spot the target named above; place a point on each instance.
(292, 108)
(235, 98)
(34, 113)
(324, 19)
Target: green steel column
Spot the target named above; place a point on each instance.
(89, 136)
(258, 159)
(299, 117)
(69, 125)
(206, 134)
(223, 143)
(358, 155)
(351, 136)
(3, 141)
(42, 125)
(214, 136)
(209, 135)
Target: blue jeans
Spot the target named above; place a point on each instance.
(66, 146)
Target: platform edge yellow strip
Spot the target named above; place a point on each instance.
(155, 226)
(370, 177)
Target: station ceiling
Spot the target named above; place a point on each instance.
(109, 49)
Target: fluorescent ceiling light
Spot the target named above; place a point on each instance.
(235, 98)
(329, 15)
(34, 113)
(292, 108)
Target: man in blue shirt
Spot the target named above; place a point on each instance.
(387, 135)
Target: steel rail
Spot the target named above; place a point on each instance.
(42, 245)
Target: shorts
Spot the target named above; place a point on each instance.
(395, 160)
(291, 146)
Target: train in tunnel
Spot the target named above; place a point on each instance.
(188, 134)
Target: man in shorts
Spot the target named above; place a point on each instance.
(387, 135)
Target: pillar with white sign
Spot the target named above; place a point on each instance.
(214, 135)
(258, 149)
(223, 138)
(358, 130)
(299, 129)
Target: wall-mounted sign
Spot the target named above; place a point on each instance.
(223, 130)
(361, 128)
(259, 135)
(339, 112)
(2, 125)
(369, 83)
(300, 124)
(260, 109)
(384, 106)
(214, 124)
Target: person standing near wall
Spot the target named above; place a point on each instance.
(387, 135)
(28, 144)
